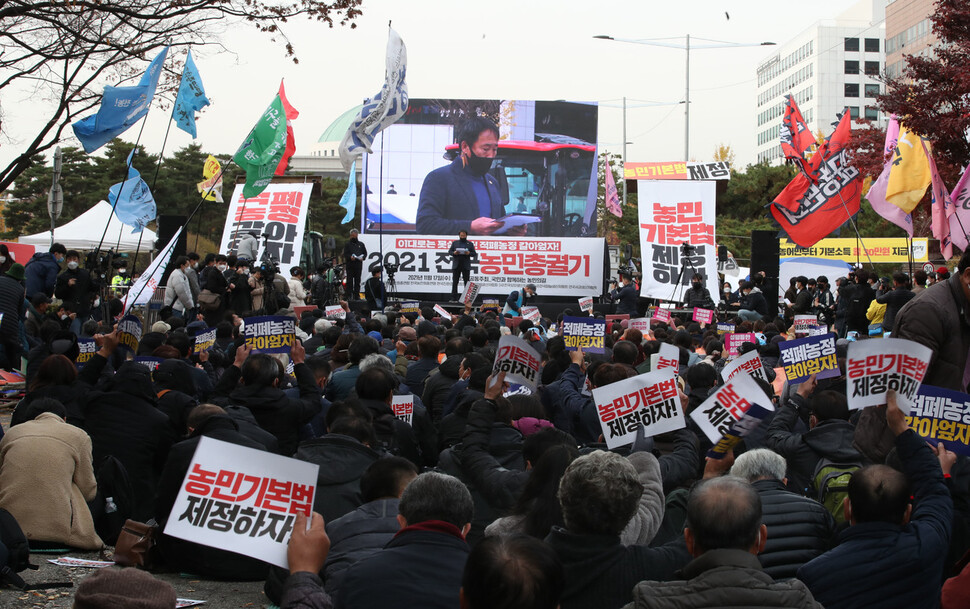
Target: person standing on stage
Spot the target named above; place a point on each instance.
(462, 252)
(354, 254)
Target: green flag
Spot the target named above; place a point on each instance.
(262, 150)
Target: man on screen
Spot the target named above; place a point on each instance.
(462, 251)
(463, 195)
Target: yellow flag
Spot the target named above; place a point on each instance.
(910, 173)
(211, 187)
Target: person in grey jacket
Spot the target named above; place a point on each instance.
(248, 246)
(178, 290)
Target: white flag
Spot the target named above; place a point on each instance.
(382, 110)
(145, 287)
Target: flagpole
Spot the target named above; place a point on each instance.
(121, 189)
(856, 228)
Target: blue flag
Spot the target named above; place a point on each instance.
(348, 200)
(132, 201)
(121, 107)
(191, 98)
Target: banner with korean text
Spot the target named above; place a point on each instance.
(726, 405)
(584, 333)
(649, 400)
(270, 333)
(86, 350)
(152, 363)
(703, 316)
(242, 500)
(558, 267)
(586, 303)
(942, 415)
(739, 429)
(471, 293)
(129, 333)
(677, 170)
(749, 363)
(803, 357)
(279, 212)
(640, 323)
(667, 357)
(672, 213)
(881, 250)
(875, 366)
(734, 340)
(403, 407)
(518, 360)
(204, 340)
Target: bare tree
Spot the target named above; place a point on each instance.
(65, 51)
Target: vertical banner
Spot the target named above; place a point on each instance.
(672, 213)
(129, 333)
(649, 400)
(726, 405)
(279, 212)
(875, 366)
(803, 357)
(403, 407)
(518, 360)
(584, 333)
(270, 333)
(749, 363)
(242, 500)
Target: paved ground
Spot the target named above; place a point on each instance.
(218, 595)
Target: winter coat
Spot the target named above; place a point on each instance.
(122, 419)
(187, 556)
(452, 427)
(421, 568)
(723, 578)
(40, 274)
(829, 439)
(46, 479)
(342, 462)
(934, 319)
(879, 564)
(799, 529)
(357, 535)
(305, 591)
(178, 291)
(417, 373)
(396, 436)
(281, 416)
(572, 411)
(438, 384)
(894, 301)
(297, 293)
(601, 572)
(78, 295)
(12, 306)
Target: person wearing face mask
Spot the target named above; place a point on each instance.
(216, 283)
(6, 260)
(463, 196)
(75, 287)
(240, 292)
(122, 281)
(698, 295)
(625, 295)
(40, 272)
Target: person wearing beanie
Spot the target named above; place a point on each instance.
(123, 589)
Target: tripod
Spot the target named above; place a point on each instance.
(686, 250)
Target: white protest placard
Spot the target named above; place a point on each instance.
(739, 430)
(152, 363)
(278, 213)
(242, 500)
(822, 331)
(749, 363)
(471, 292)
(875, 366)
(726, 405)
(518, 360)
(403, 407)
(649, 400)
(440, 310)
(704, 316)
(334, 312)
(530, 313)
(667, 357)
(586, 304)
(662, 315)
(804, 325)
(640, 323)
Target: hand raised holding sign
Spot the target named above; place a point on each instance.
(297, 352)
(107, 342)
(895, 417)
(308, 548)
(807, 388)
(578, 358)
(495, 386)
(242, 352)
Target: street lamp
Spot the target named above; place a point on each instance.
(666, 42)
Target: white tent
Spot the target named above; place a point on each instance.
(84, 233)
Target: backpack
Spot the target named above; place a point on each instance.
(384, 428)
(115, 501)
(14, 549)
(831, 483)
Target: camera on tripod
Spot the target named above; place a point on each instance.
(390, 269)
(687, 250)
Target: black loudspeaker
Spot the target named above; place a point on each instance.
(722, 254)
(167, 226)
(764, 258)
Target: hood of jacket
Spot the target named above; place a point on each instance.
(449, 367)
(342, 459)
(133, 379)
(258, 397)
(833, 440)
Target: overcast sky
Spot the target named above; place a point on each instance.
(503, 49)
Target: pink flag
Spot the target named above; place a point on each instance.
(960, 220)
(612, 199)
(941, 208)
(877, 191)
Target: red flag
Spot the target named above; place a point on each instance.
(819, 201)
(796, 137)
(291, 113)
(611, 197)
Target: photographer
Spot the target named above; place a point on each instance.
(240, 299)
(269, 290)
(625, 296)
